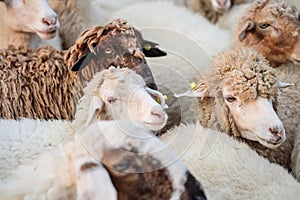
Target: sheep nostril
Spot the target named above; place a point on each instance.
(49, 21)
(276, 132)
(157, 114)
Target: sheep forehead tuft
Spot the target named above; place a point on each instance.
(247, 74)
(96, 35)
(277, 8)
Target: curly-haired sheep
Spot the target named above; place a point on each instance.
(28, 23)
(112, 94)
(239, 95)
(139, 164)
(272, 27)
(39, 83)
(229, 169)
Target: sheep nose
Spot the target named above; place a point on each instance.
(222, 3)
(157, 113)
(276, 132)
(49, 20)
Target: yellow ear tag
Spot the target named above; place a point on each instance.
(158, 99)
(165, 97)
(193, 85)
(147, 47)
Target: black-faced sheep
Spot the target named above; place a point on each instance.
(139, 164)
(112, 94)
(28, 23)
(239, 95)
(39, 83)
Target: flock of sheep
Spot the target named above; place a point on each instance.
(83, 106)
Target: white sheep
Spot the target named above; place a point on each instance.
(229, 169)
(28, 23)
(139, 164)
(239, 95)
(112, 94)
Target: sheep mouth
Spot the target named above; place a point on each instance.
(270, 143)
(155, 125)
(296, 61)
(47, 34)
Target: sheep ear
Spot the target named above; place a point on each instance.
(201, 91)
(246, 29)
(159, 97)
(82, 62)
(285, 84)
(95, 106)
(150, 49)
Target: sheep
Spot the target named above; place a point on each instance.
(229, 169)
(271, 27)
(139, 164)
(40, 84)
(212, 9)
(238, 95)
(28, 23)
(113, 94)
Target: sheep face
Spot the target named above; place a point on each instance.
(123, 95)
(33, 16)
(221, 6)
(272, 28)
(256, 120)
(115, 44)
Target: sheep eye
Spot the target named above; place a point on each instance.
(108, 50)
(230, 99)
(264, 25)
(111, 100)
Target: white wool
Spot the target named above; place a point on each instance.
(22, 141)
(229, 169)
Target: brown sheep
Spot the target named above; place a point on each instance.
(272, 27)
(39, 83)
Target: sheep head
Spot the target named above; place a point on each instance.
(272, 27)
(238, 96)
(116, 44)
(118, 93)
(33, 16)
